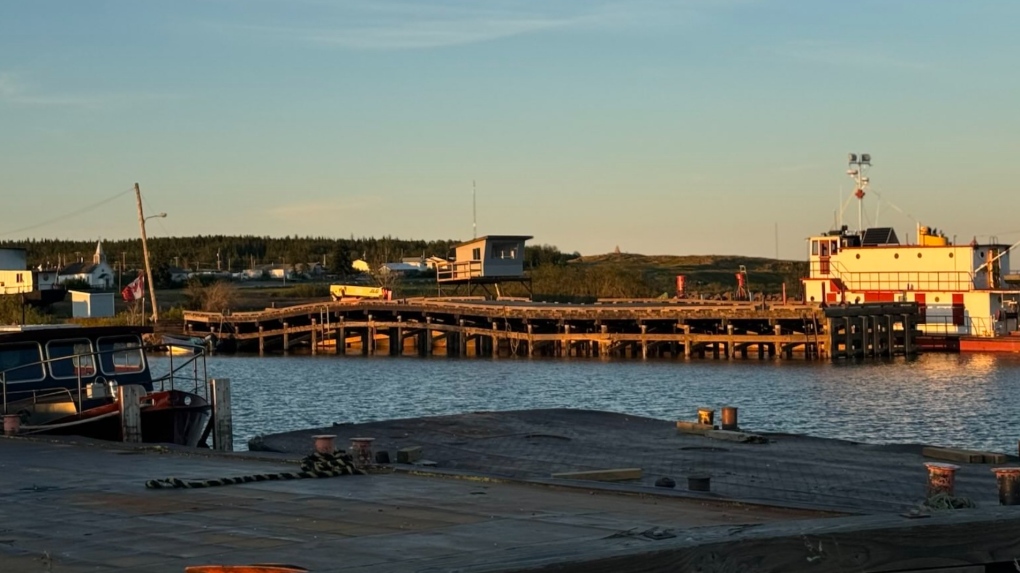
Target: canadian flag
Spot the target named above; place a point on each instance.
(135, 289)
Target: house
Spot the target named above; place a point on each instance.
(15, 278)
(178, 275)
(97, 274)
(399, 268)
(424, 263)
(488, 258)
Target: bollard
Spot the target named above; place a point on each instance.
(12, 424)
(699, 482)
(324, 443)
(706, 416)
(361, 451)
(941, 478)
(729, 418)
(1008, 480)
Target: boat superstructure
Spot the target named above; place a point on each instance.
(961, 289)
(63, 379)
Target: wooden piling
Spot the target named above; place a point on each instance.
(222, 420)
(129, 399)
(315, 339)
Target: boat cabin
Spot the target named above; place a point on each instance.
(961, 289)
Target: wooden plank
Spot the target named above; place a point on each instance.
(409, 455)
(615, 474)
(953, 455)
(885, 543)
(990, 458)
(693, 428)
(734, 436)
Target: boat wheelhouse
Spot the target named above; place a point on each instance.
(63, 379)
(962, 290)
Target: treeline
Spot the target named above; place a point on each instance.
(236, 253)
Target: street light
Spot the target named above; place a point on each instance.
(145, 253)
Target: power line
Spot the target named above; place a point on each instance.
(68, 215)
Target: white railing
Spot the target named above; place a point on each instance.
(458, 270)
(944, 281)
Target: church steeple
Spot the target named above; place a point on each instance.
(100, 256)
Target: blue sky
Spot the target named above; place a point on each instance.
(659, 126)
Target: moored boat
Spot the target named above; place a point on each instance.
(966, 293)
(63, 379)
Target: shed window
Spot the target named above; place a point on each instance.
(476, 254)
(504, 250)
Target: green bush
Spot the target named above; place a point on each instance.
(77, 284)
(11, 312)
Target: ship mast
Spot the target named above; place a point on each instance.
(857, 165)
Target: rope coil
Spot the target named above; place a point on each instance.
(316, 465)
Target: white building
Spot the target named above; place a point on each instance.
(91, 304)
(491, 257)
(98, 274)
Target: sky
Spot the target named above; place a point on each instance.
(655, 126)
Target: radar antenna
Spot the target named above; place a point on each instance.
(857, 165)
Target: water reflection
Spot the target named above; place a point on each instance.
(952, 400)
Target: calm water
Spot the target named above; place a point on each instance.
(970, 400)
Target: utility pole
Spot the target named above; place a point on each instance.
(474, 209)
(145, 255)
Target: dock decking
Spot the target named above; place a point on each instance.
(678, 328)
(72, 506)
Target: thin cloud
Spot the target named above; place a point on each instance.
(843, 55)
(14, 91)
(317, 210)
(382, 25)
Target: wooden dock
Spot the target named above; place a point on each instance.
(635, 329)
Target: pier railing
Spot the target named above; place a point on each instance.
(458, 270)
(895, 280)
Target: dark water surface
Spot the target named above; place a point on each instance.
(969, 400)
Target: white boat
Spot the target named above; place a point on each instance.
(186, 345)
(962, 290)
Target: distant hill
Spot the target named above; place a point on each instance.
(644, 276)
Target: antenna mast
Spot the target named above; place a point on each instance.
(857, 165)
(474, 210)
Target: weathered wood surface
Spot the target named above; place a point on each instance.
(871, 544)
(612, 474)
(522, 310)
(795, 471)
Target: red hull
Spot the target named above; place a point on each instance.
(993, 344)
(167, 419)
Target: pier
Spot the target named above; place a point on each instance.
(608, 329)
(495, 498)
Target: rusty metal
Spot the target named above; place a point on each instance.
(729, 418)
(941, 478)
(1008, 480)
(706, 416)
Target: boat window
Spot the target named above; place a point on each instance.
(834, 247)
(825, 248)
(814, 248)
(21, 362)
(70, 358)
(120, 354)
